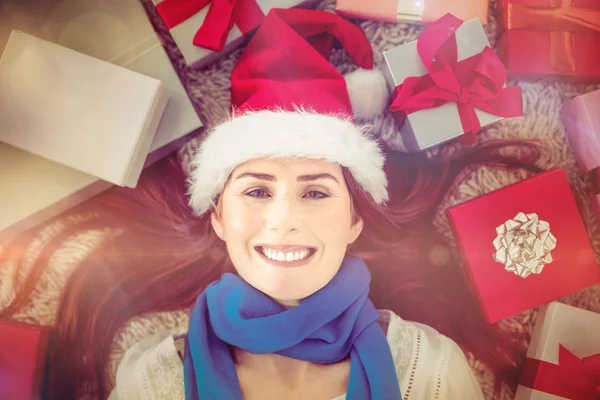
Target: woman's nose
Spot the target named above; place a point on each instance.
(281, 214)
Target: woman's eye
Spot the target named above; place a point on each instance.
(259, 193)
(315, 194)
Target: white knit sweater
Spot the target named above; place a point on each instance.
(429, 366)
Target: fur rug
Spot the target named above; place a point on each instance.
(209, 90)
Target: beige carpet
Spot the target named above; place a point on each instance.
(209, 89)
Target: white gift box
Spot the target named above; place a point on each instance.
(77, 110)
(558, 324)
(34, 189)
(430, 127)
(197, 57)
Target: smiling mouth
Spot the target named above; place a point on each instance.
(286, 258)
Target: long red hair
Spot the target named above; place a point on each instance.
(160, 257)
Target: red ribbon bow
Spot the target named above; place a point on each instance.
(222, 14)
(476, 82)
(573, 378)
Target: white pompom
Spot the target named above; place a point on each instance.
(368, 92)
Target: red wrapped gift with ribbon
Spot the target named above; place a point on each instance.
(207, 29)
(474, 83)
(551, 38)
(22, 360)
(563, 359)
(524, 245)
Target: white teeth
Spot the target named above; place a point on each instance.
(282, 256)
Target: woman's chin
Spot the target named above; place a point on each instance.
(287, 297)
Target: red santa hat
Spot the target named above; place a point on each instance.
(288, 100)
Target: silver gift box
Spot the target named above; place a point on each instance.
(427, 128)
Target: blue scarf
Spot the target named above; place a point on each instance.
(338, 320)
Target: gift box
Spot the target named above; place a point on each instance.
(524, 245)
(424, 12)
(582, 122)
(465, 92)
(22, 360)
(205, 30)
(551, 38)
(563, 358)
(77, 110)
(35, 189)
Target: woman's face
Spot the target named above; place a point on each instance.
(286, 224)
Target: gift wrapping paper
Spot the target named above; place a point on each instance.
(22, 359)
(563, 358)
(431, 111)
(524, 245)
(204, 34)
(551, 38)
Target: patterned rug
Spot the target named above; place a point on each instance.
(209, 90)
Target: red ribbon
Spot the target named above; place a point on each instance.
(573, 378)
(221, 16)
(476, 82)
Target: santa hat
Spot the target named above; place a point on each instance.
(288, 100)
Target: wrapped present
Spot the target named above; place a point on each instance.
(563, 358)
(424, 12)
(77, 110)
(524, 245)
(448, 84)
(36, 189)
(582, 122)
(206, 30)
(22, 360)
(551, 38)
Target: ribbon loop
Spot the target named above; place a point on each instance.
(213, 33)
(476, 82)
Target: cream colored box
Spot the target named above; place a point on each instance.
(77, 110)
(34, 189)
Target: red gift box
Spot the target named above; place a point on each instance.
(551, 37)
(22, 360)
(570, 266)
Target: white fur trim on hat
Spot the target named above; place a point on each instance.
(274, 134)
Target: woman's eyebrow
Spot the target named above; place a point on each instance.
(314, 177)
(301, 178)
(265, 177)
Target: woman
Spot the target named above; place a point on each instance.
(293, 204)
(287, 225)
